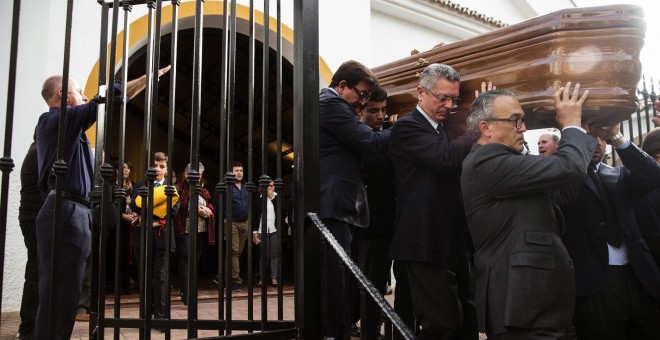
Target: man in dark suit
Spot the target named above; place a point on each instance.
(373, 243)
(617, 280)
(647, 208)
(343, 140)
(430, 233)
(525, 286)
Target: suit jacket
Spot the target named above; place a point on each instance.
(647, 211)
(586, 237)
(524, 276)
(430, 223)
(378, 176)
(342, 141)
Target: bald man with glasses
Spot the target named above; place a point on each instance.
(525, 284)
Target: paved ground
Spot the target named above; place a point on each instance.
(207, 310)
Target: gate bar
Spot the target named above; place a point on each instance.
(6, 162)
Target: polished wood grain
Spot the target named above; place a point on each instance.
(597, 47)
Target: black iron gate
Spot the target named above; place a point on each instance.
(268, 154)
(640, 122)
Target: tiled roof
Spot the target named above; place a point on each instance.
(466, 11)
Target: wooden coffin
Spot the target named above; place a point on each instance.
(597, 47)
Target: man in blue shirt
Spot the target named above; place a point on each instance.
(75, 243)
(239, 225)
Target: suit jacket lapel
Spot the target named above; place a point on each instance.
(606, 174)
(590, 184)
(420, 117)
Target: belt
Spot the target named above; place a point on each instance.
(73, 197)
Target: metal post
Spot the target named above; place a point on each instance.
(250, 152)
(120, 192)
(279, 183)
(265, 96)
(193, 174)
(306, 167)
(60, 169)
(6, 162)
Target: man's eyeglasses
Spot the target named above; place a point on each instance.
(444, 99)
(519, 121)
(364, 97)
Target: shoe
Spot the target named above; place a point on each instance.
(24, 336)
(355, 330)
(236, 287)
(158, 317)
(274, 282)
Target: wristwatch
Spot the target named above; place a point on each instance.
(613, 138)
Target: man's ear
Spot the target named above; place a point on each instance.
(484, 129)
(420, 90)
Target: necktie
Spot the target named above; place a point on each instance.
(156, 184)
(441, 131)
(614, 231)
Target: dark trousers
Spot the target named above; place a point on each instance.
(331, 284)
(159, 268)
(74, 248)
(124, 257)
(374, 262)
(30, 300)
(183, 258)
(274, 246)
(85, 293)
(514, 333)
(402, 297)
(441, 300)
(622, 310)
(160, 289)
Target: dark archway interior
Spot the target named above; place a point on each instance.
(210, 153)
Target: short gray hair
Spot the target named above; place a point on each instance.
(435, 72)
(482, 109)
(201, 167)
(552, 132)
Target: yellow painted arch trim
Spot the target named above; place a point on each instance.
(139, 27)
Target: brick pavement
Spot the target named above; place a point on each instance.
(207, 310)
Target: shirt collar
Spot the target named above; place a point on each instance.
(333, 90)
(433, 122)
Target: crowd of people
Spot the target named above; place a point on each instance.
(37, 213)
(484, 237)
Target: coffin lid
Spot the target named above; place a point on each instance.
(597, 47)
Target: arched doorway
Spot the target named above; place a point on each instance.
(210, 116)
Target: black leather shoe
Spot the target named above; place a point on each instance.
(355, 330)
(23, 336)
